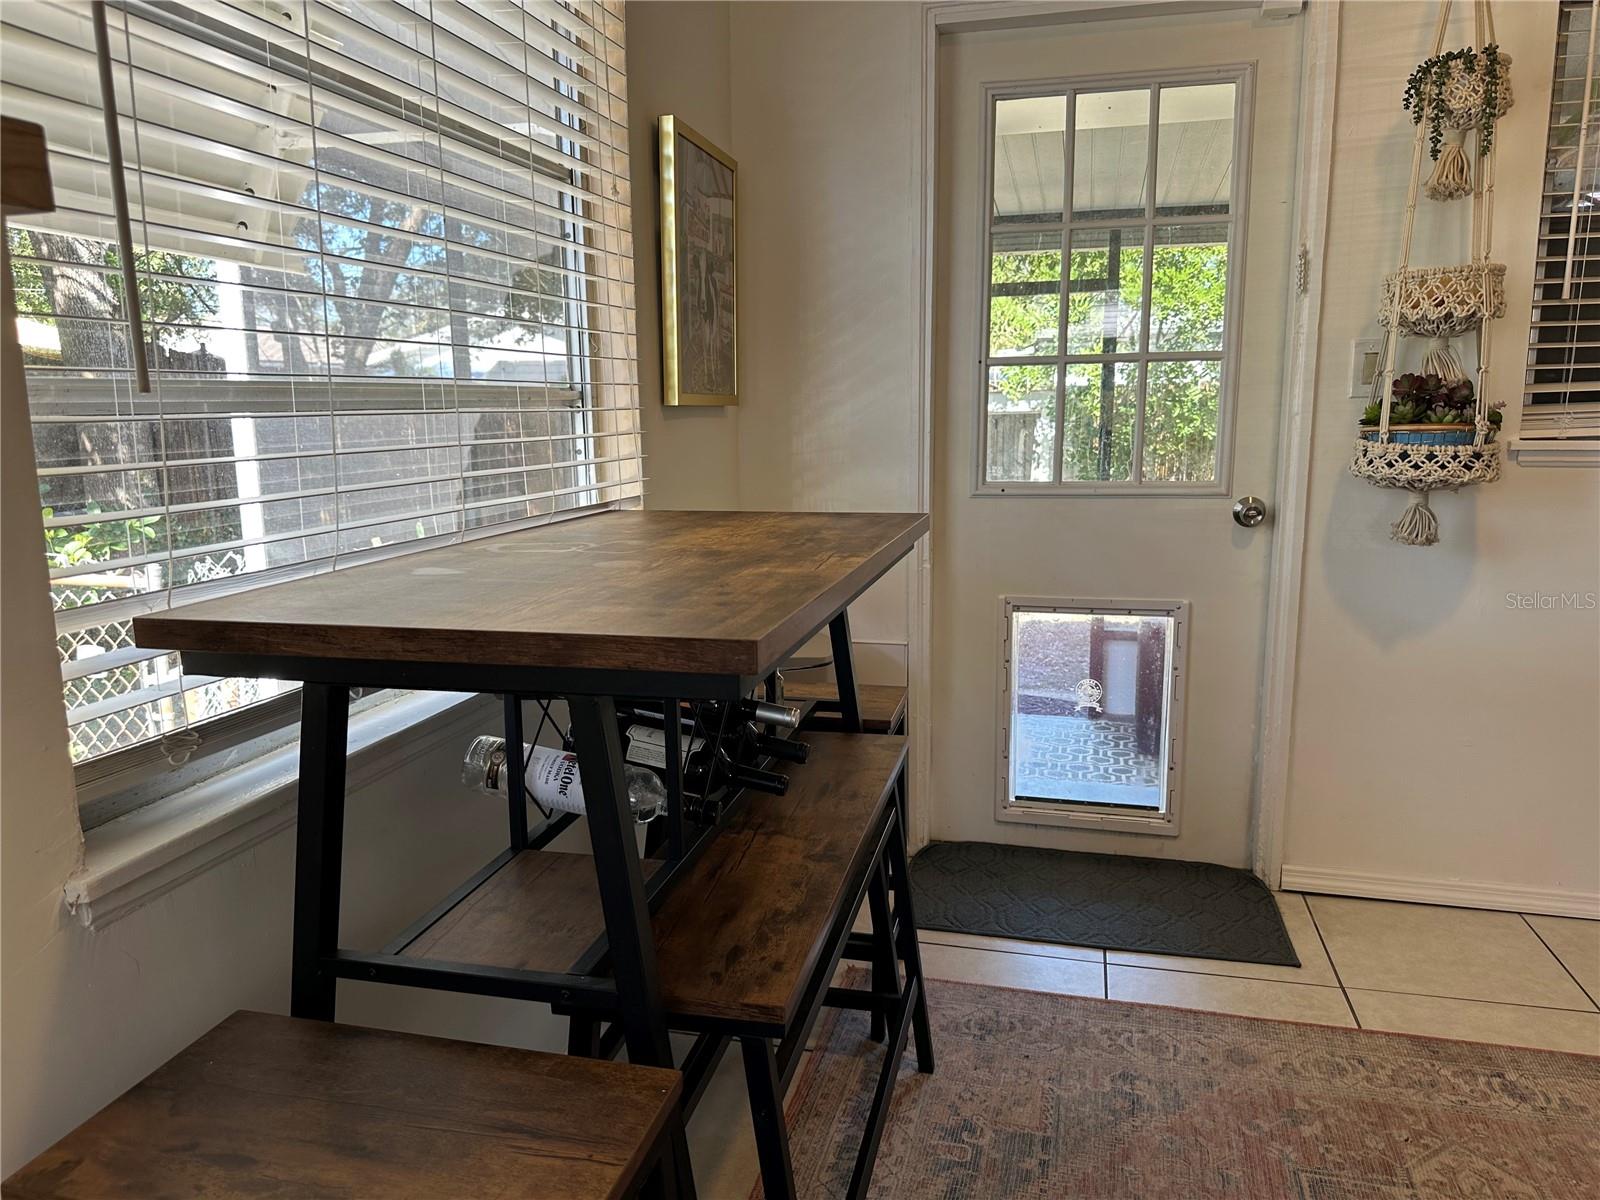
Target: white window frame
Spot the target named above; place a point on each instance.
(1072, 814)
(1243, 76)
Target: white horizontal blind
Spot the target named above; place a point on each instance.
(385, 263)
(1562, 391)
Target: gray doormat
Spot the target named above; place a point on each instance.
(1110, 901)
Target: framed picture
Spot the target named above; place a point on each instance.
(699, 269)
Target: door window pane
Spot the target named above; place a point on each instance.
(1180, 421)
(1188, 287)
(1029, 140)
(1125, 295)
(1110, 154)
(1104, 304)
(1194, 150)
(1022, 423)
(1089, 705)
(1102, 405)
(1024, 294)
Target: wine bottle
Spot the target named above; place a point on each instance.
(763, 713)
(552, 778)
(709, 762)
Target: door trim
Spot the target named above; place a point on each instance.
(1313, 178)
(1319, 72)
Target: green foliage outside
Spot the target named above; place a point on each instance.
(76, 282)
(1188, 297)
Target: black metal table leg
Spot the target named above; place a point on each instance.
(583, 1036)
(766, 1115)
(319, 848)
(516, 770)
(885, 970)
(910, 951)
(844, 672)
(598, 744)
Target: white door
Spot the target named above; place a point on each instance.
(1113, 271)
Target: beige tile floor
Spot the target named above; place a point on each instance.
(1408, 968)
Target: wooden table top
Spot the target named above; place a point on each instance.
(717, 593)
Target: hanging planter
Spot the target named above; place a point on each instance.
(1426, 435)
(1443, 302)
(1454, 93)
(1435, 430)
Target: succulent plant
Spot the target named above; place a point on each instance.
(1428, 400)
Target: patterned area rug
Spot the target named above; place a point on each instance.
(1114, 901)
(1041, 1097)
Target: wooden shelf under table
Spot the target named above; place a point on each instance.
(883, 706)
(741, 933)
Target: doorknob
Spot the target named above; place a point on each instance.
(1249, 511)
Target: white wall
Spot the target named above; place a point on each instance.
(1440, 734)
(678, 63)
(826, 127)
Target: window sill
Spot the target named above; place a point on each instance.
(1556, 452)
(134, 859)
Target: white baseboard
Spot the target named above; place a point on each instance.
(1459, 893)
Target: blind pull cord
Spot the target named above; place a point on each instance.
(119, 197)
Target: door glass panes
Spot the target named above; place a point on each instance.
(1090, 699)
(1029, 144)
(1110, 154)
(1021, 422)
(1194, 150)
(1131, 332)
(1024, 293)
(1180, 421)
(1189, 287)
(1106, 297)
(1101, 407)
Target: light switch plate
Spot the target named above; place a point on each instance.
(1365, 362)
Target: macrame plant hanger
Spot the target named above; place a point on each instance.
(1439, 303)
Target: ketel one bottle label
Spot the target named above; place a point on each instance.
(553, 780)
(647, 746)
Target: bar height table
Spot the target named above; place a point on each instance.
(666, 606)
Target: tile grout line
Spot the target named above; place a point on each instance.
(1581, 1012)
(1532, 929)
(1338, 978)
(922, 937)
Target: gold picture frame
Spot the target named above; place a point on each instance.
(699, 268)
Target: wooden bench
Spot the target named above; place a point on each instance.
(883, 707)
(274, 1106)
(741, 933)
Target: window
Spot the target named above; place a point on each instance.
(1113, 374)
(385, 270)
(1092, 713)
(1562, 392)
